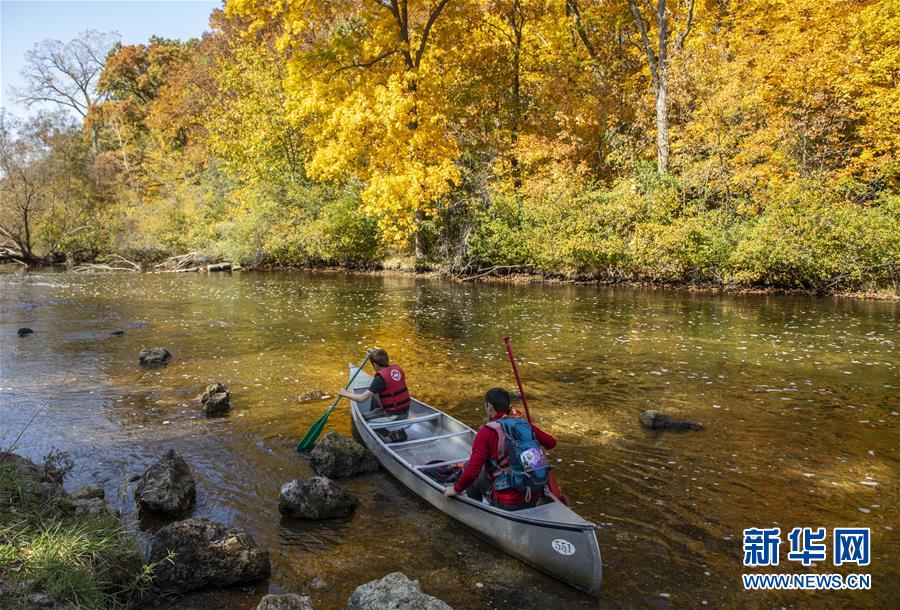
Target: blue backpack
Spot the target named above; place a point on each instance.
(522, 464)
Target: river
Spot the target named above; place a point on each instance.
(798, 397)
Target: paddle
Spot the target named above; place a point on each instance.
(316, 429)
(553, 483)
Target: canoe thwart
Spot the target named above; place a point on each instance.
(420, 441)
(402, 422)
(462, 460)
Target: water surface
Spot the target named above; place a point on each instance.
(798, 397)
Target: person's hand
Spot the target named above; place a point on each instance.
(344, 393)
(449, 492)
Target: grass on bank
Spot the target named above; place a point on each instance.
(75, 559)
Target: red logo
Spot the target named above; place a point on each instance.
(395, 375)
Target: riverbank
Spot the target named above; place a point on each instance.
(405, 268)
(58, 549)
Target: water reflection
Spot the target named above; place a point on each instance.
(798, 398)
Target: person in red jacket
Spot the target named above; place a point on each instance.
(388, 389)
(478, 476)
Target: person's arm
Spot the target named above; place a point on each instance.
(546, 441)
(356, 397)
(375, 387)
(481, 450)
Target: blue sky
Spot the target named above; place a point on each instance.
(26, 22)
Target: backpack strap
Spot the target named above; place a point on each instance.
(498, 427)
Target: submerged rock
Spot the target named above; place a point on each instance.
(288, 601)
(197, 553)
(167, 487)
(336, 456)
(24, 331)
(117, 333)
(154, 356)
(394, 592)
(317, 498)
(657, 421)
(88, 493)
(216, 399)
(312, 395)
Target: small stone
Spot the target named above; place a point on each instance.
(39, 599)
(24, 331)
(318, 584)
(215, 399)
(312, 395)
(88, 493)
(155, 356)
(287, 601)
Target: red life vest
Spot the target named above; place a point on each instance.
(395, 397)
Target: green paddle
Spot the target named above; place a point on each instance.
(316, 429)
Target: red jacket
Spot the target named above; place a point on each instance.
(484, 446)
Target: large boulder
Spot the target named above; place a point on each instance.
(657, 421)
(216, 399)
(317, 498)
(394, 592)
(167, 487)
(288, 601)
(336, 456)
(154, 356)
(197, 553)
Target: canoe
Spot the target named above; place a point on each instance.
(550, 537)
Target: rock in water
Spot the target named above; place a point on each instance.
(288, 601)
(657, 421)
(317, 498)
(167, 487)
(117, 333)
(24, 331)
(204, 553)
(312, 395)
(154, 356)
(336, 456)
(216, 399)
(394, 592)
(88, 493)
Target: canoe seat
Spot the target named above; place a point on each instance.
(400, 423)
(419, 441)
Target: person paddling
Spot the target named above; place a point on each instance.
(507, 464)
(389, 389)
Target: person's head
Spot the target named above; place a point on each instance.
(496, 401)
(379, 358)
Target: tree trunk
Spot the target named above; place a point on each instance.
(662, 124)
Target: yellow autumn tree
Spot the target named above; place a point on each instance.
(366, 83)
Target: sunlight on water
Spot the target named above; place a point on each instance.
(798, 398)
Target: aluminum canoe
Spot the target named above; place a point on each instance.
(550, 537)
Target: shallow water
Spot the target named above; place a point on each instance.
(798, 397)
